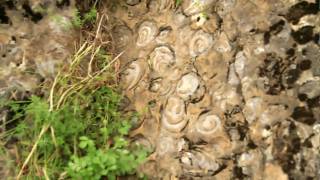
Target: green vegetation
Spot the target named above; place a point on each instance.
(178, 2)
(89, 17)
(77, 21)
(76, 131)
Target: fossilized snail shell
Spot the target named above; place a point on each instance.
(190, 87)
(207, 127)
(222, 43)
(173, 116)
(147, 32)
(208, 124)
(162, 59)
(165, 145)
(191, 7)
(200, 43)
(133, 73)
(159, 85)
(122, 35)
(132, 2)
(143, 141)
(199, 162)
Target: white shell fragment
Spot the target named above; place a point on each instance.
(146, 33)
(162, 59)
(133, 73)
(189, 87)
(173, 116)
(200, 43)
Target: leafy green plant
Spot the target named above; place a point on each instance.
(77, 131)
(89, 17)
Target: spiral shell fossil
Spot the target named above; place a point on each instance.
(208, 124)
(190, 87)
(133, 73)
(162, 60)
(173, 116)
(147, 32)
(132, 2)
(122, 35)
(166, 145)
(200, 43)
(191, 7)
(159, 85)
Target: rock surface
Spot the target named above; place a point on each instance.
(234, 86)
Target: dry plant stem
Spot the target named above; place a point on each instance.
(34, 147)
(51, 92)
(85, 80)
(97, 50)
(62, 176)
(45, 173)
(91, 60)
(53, 137)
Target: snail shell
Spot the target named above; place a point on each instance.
(166, 145)
(174, 115)
(162, 60)
(191, 7)
(141, 140)
(208, 124)
(122, 36)
(190, 87)
(147, 32)
(161, 86)
(133, 73)
(200, 43)
(132, 2)
(207, 127)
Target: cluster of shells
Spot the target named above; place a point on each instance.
(224, 89)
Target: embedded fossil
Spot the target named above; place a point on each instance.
(132, 2)
(146, 33)
(140, 140)
(208, 124)
(173, 116)
(159, 85)
(207, 127)
(166, 145)
(195, 6)
(133, 73)
(190, 87)
(219, 72)
(122, 35)
(199, 163)
(162, 59)
(200, 43)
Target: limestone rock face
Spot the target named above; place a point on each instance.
(234, 86)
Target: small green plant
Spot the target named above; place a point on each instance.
(89, 17)
(78, 131)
